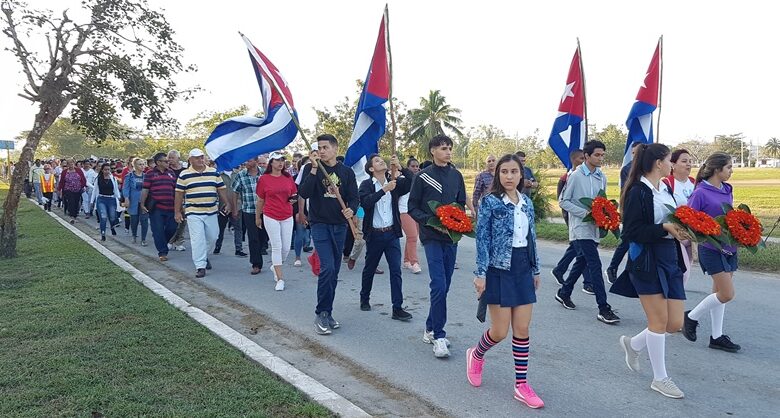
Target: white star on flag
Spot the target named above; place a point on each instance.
(568, 91)
(566, 136)
(644, 80)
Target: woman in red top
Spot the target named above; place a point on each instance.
(276, 191)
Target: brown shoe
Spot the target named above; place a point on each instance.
(200, 273)
(350, 264)
(255, 270)
(163, 258)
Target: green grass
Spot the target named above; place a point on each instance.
(766, 259)
(77, 334)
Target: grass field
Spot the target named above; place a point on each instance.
(78, 334)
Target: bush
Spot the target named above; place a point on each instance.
(541, 197)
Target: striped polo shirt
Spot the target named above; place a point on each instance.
(200, 191)
(161, 186)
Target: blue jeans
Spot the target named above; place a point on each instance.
(301, 238)
(328, 241)
(620, 252)
(163, 228)
(389, 244)
(589, 265)
(441, 263)
(143, 219)
(106, 207)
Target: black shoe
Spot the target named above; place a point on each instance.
(264, 251)
(333, 323)
(365, 306)
(586, 288)
(566, 303)
(558, 277)
(689, 327)
(401, 315)
(113, 231)
(200, 273)
(724, 343)
(102, 237)
(208, 265)
(611, 275)
(321, 324)
(240, 253)
(608, 317)
(217, 250)
(307, 249)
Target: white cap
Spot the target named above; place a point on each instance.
(276, 155)
(196, 153)
(315, 146)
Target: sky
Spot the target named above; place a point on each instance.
(501, 63)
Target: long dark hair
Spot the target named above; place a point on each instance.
(496, 189)
(645, 158)
(269, 169)
(713, 163)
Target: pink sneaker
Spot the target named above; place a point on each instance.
(526, 395)
(473, 368)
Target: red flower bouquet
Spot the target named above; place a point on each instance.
(604, 213)
(744, 229)
(700, 226)
(452, 220)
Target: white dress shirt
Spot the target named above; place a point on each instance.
(520, 232)
(383, 210)
(661, 198)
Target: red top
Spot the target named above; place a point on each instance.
(276, 192)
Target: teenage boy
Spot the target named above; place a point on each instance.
(576, 157)
(382, 228)
(586, 181)
(440, 182)
(328, 222)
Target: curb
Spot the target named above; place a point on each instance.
(276, 365)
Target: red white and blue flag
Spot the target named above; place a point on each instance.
(640, 118)
(241, 138)
(370, 116)
(569, 129)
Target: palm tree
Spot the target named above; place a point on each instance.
(772, 148)
(431, 119)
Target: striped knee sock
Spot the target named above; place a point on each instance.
(484, 345)
(520, 354)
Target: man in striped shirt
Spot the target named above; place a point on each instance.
(157, 199)
(199, 190)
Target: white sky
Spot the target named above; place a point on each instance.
(501, 63)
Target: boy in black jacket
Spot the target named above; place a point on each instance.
(382, 228)
(440, 182)
(328, 223)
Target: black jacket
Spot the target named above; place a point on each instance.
(639, 227)
(369, 197)
(440, 184)
(324, 208)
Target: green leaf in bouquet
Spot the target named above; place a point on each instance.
(587, 201)
(472, 234)
(603, 232)
(455, 236)
(616, 233)
(615, 202)
(433, 205)
(752, 250)
(744, 207)
(672, 209)
(457, 205)
(726, 208)
(603, 193)
(710, 239)
(588, 218)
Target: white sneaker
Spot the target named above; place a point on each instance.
(440, 349)
(407, 265)
(297, 263)
(632, 356)
(428, 338)
(416, 268)
(279, 285)
(170, 246)
(667, 388)
(180, 248)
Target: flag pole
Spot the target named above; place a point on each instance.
(660, 85)
(584, 96)
(266, 73)
(390, 98)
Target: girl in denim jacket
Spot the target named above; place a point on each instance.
(507, 273)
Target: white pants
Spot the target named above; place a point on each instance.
(85, 200)
(279, 236)
(203, 234)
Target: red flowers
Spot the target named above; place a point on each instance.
(697, 221)
(454, 218)
(743, 227)
(604, 213)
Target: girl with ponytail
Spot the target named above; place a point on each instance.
(654, 271)
(710, 194)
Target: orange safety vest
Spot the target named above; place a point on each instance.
(48, 187)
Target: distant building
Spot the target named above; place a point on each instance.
(768, 162)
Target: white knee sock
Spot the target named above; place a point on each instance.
(656, 350)
(704, 306)
(639, 341)
(716, 314)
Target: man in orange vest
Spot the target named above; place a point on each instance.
(47, 186)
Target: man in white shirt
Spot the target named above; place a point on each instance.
(382, 229)
(90, 175)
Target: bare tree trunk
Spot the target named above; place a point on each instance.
(43, 120)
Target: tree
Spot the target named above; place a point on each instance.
(614, 138)
(431, 119)
(772, 148)
(122, 58)
(733, 145)
(699, 150)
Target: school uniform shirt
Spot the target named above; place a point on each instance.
(661, 198)
(276, 192)
(200, 191)
(383, 209)
(520, 230)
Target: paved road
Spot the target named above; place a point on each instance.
(576, 365)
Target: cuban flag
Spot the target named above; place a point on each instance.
(640, 118)
(370, 115)
(569, 129)
(241, 138)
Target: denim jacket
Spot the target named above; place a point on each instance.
(495, 227)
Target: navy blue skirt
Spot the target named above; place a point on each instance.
(513, 287)
(669, 280)
(714, 261)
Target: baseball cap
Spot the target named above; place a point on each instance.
(276, 156)
(196, 153)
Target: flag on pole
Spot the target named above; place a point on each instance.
(569, 129)
(370, 115)
(238, 139)
(640, 118)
